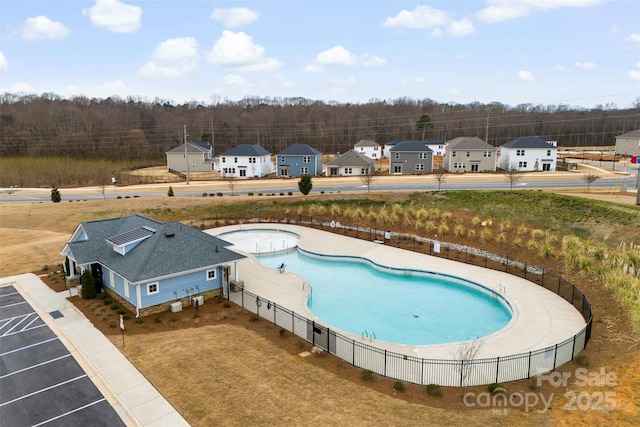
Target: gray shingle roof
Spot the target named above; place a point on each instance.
(468, 143)
(192, 147)
(529, 142)
(299, 150)
(352, 158)
(410, 146)
(432, 141)
(173, 249)
(632, 134)
(366, 143)
(247, 150)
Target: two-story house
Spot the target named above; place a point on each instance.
(246, 161)
(299, 159)
(410, 157)
(528, 154)
(369, 148)
(469, 154)
(197, 155)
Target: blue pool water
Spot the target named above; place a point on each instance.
(354, 296)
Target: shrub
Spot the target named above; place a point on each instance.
(443, 229)
(471, 233)
(429, 227)
(101, 296)
(88, 285)
(537, 233)
(107, 301)
(226, 304)
(45, 267)
(532, 246)
(522, 230)
(496, 388)
(398, 386)
(582, 360)
(120, 311)
(501, 238)
(250, 193)
(55, 195)
(433, 390)
(516, 243)
(139, 321)
(475, 220)
(114, 306)
(458, 230)
(366, 375)
(283, 332)
(545, 251)
(485, 235)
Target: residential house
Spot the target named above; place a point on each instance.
(369, 148)
(351, 163)
(628, 144)
(299, 159)
(147, 264)
(197, 155)
(438, 147)
(528, 154)
(386, 152)
(411, 157)
(246, 161)
(469, 154)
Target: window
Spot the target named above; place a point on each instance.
(347, 171)
(453, 154)
(487, 154)
(235, 160)
(459, 165)
(548, 152)
(252, 159)
(522, 164)
(304, 171)
(422, 155)
(396, 155)
(420, 167)
(211, 274)
(519, 152)
(224, 159)
(306, 159)
(364, 171)
(468, 153)
(283, 159)
(153, 288)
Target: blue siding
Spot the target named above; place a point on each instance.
(118, 285)
(194, 282)
(295, 163)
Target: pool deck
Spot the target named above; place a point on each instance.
(540, 317)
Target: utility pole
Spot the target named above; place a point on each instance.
(638, 186)
(213, 138)
(186, 156)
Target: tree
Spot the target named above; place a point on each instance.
(440, 175)
(367, 177)
(170, 192)
(513, 175)
(424, 123)
(231, 182)
(88, 285)
(465, 353)
(589, 179)
(305, 185)
(55, 195)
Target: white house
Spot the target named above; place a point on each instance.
(529, 154)
(246, 161)
(438, 147)
(369, 148)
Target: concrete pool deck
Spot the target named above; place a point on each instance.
(540, 317)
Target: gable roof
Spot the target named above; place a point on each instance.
(352, 158)
(366, 143)
(529, 142)
(632, 134)
(392, 143)
(432, 141)
(410, 146)
(299, 150)
(247, 150)
(192, 147)
(172, 249)
(468, 143)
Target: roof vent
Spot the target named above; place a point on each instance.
(169, 234)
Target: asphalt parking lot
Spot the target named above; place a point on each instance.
(40, 381)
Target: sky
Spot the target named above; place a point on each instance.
(575, 52)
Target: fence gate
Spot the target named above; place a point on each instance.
(318, 335)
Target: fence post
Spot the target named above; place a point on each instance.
(485, 260)
(497, 368)
(525, 269)
(313, 333)
(529, 367)
(573, 293)
(555, 356)
(353, 352)
(506, 264)
(559, 283)
(385, 362)
(542, 279)
(274, 314)
(573, 347)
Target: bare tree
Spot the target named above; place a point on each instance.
(589, 179)
(513, 175)
(440, 175)
(231, 182)
(465, 353)
(367, 177)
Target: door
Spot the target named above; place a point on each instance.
(475, 167)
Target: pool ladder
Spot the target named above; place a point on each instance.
(371, 335)
(310, 295)
(500, 289)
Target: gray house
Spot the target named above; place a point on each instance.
(350, 163)
(469, 154)
(299, 159)
(410, 157)
(198, 155)
(628, 144)
(147, 264)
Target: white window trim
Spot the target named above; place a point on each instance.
(149, 292)
(215, 274)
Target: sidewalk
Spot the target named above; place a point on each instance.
(135, 400)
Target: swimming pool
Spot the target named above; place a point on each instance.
(396, 305)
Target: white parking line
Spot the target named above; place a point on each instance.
(8, 320)
(43, 390)
(8, 295)
(29, 346)
(25, 330)
(70, 412)
(24, 317)
(35, 366)
(11, 305)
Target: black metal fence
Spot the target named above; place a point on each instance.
(409, 368)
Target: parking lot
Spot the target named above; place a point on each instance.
(40, 381)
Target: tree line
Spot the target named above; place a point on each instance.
(48, 125)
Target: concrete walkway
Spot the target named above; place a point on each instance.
(135, 400)
(540, 318)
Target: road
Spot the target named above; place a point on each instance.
(609, 180)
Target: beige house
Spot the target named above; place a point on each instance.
(198, 155)
(469, 154)
(350, 163)
(628, 144)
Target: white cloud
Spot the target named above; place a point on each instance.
(239, 50)
(349, 81)
(558, 67)
(586, 65)
(42, 27)
(4, 64)
(437, 33)
(461, 28)
(235, 80)
(635, 74)
(172, 58)
(115, 16)
(526, 76)
(422, 17)
(285, 82)
(506, 10)
(21, 87)
(634, 37)
(339, 56)
(234, 17)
